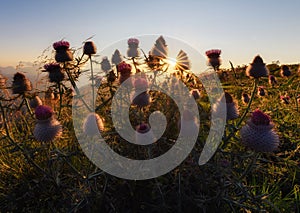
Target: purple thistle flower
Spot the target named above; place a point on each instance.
(61, 44)
(245, 98)
(47, 128)
(258, 135)
(133, 45)
(261, 91)
(272, 80)
(21, 84)
(35, 102)
(89, 48)
(214, 58)
(93, 124)
(55, 72)
(141, 100)
(257, 68)
(285, 71)
(63, 53)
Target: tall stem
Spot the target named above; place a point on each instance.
(93, 83)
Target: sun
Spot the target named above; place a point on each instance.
(171, 61)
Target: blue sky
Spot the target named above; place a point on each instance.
(240, 28)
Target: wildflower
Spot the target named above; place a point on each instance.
(55, 73)
(257, 68)
(47, 128)
(35, 102)
(182, 61)
(61, 45)
(89, 48)
(187, 124)
(285, 71)
(195, 93)
(21, 84)
(140, 134)
(258, 135)
(63, 53)
(116, 58)
(105, 64)
(272, 80)
(92, 124)
(111, 77)
(214, 58)
(160, 48)
(285, 99)
(232, 107)
(141, 100)
(245, 98)
(140, 83)
(124, 70)
(133, 45)
(261, 91)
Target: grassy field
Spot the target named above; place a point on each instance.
(57, 176)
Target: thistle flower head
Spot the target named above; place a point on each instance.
(261, 91)
(214, 53)
(92, 124)
(272, 80)
(228, 97)
(141, 100)
(61, 44)
(55, 72)
(257, 68)
(140, 83)
(123, 67)
(35, 102)
(160, 48)
(258, 134)
(245, 98)
(195, 93)
(133, 42)
(21, 84)
(285, 71)
(89, 48)
(105, 64)
(143, 128)
(50, 67)
(116, 57)
(43, 112)
(47, 130)
(260, 118)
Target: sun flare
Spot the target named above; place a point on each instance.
(171, 61)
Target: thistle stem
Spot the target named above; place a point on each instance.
(93, 83)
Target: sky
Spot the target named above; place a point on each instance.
(240, 28)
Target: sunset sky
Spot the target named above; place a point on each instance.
(240, 28)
